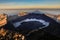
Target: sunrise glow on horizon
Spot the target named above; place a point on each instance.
(17, 4)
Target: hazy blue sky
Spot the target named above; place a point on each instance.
(29, 3)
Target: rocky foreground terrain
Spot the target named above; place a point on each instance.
(10, 35)
(37, 35)
(7, 34)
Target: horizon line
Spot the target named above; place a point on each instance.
(27, 8)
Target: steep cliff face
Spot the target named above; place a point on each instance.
(58, 18)
(55, 17)
(22, 13)
(3, 19)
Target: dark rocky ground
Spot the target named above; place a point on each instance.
(41, 35)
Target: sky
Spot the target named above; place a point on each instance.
(16, 4)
